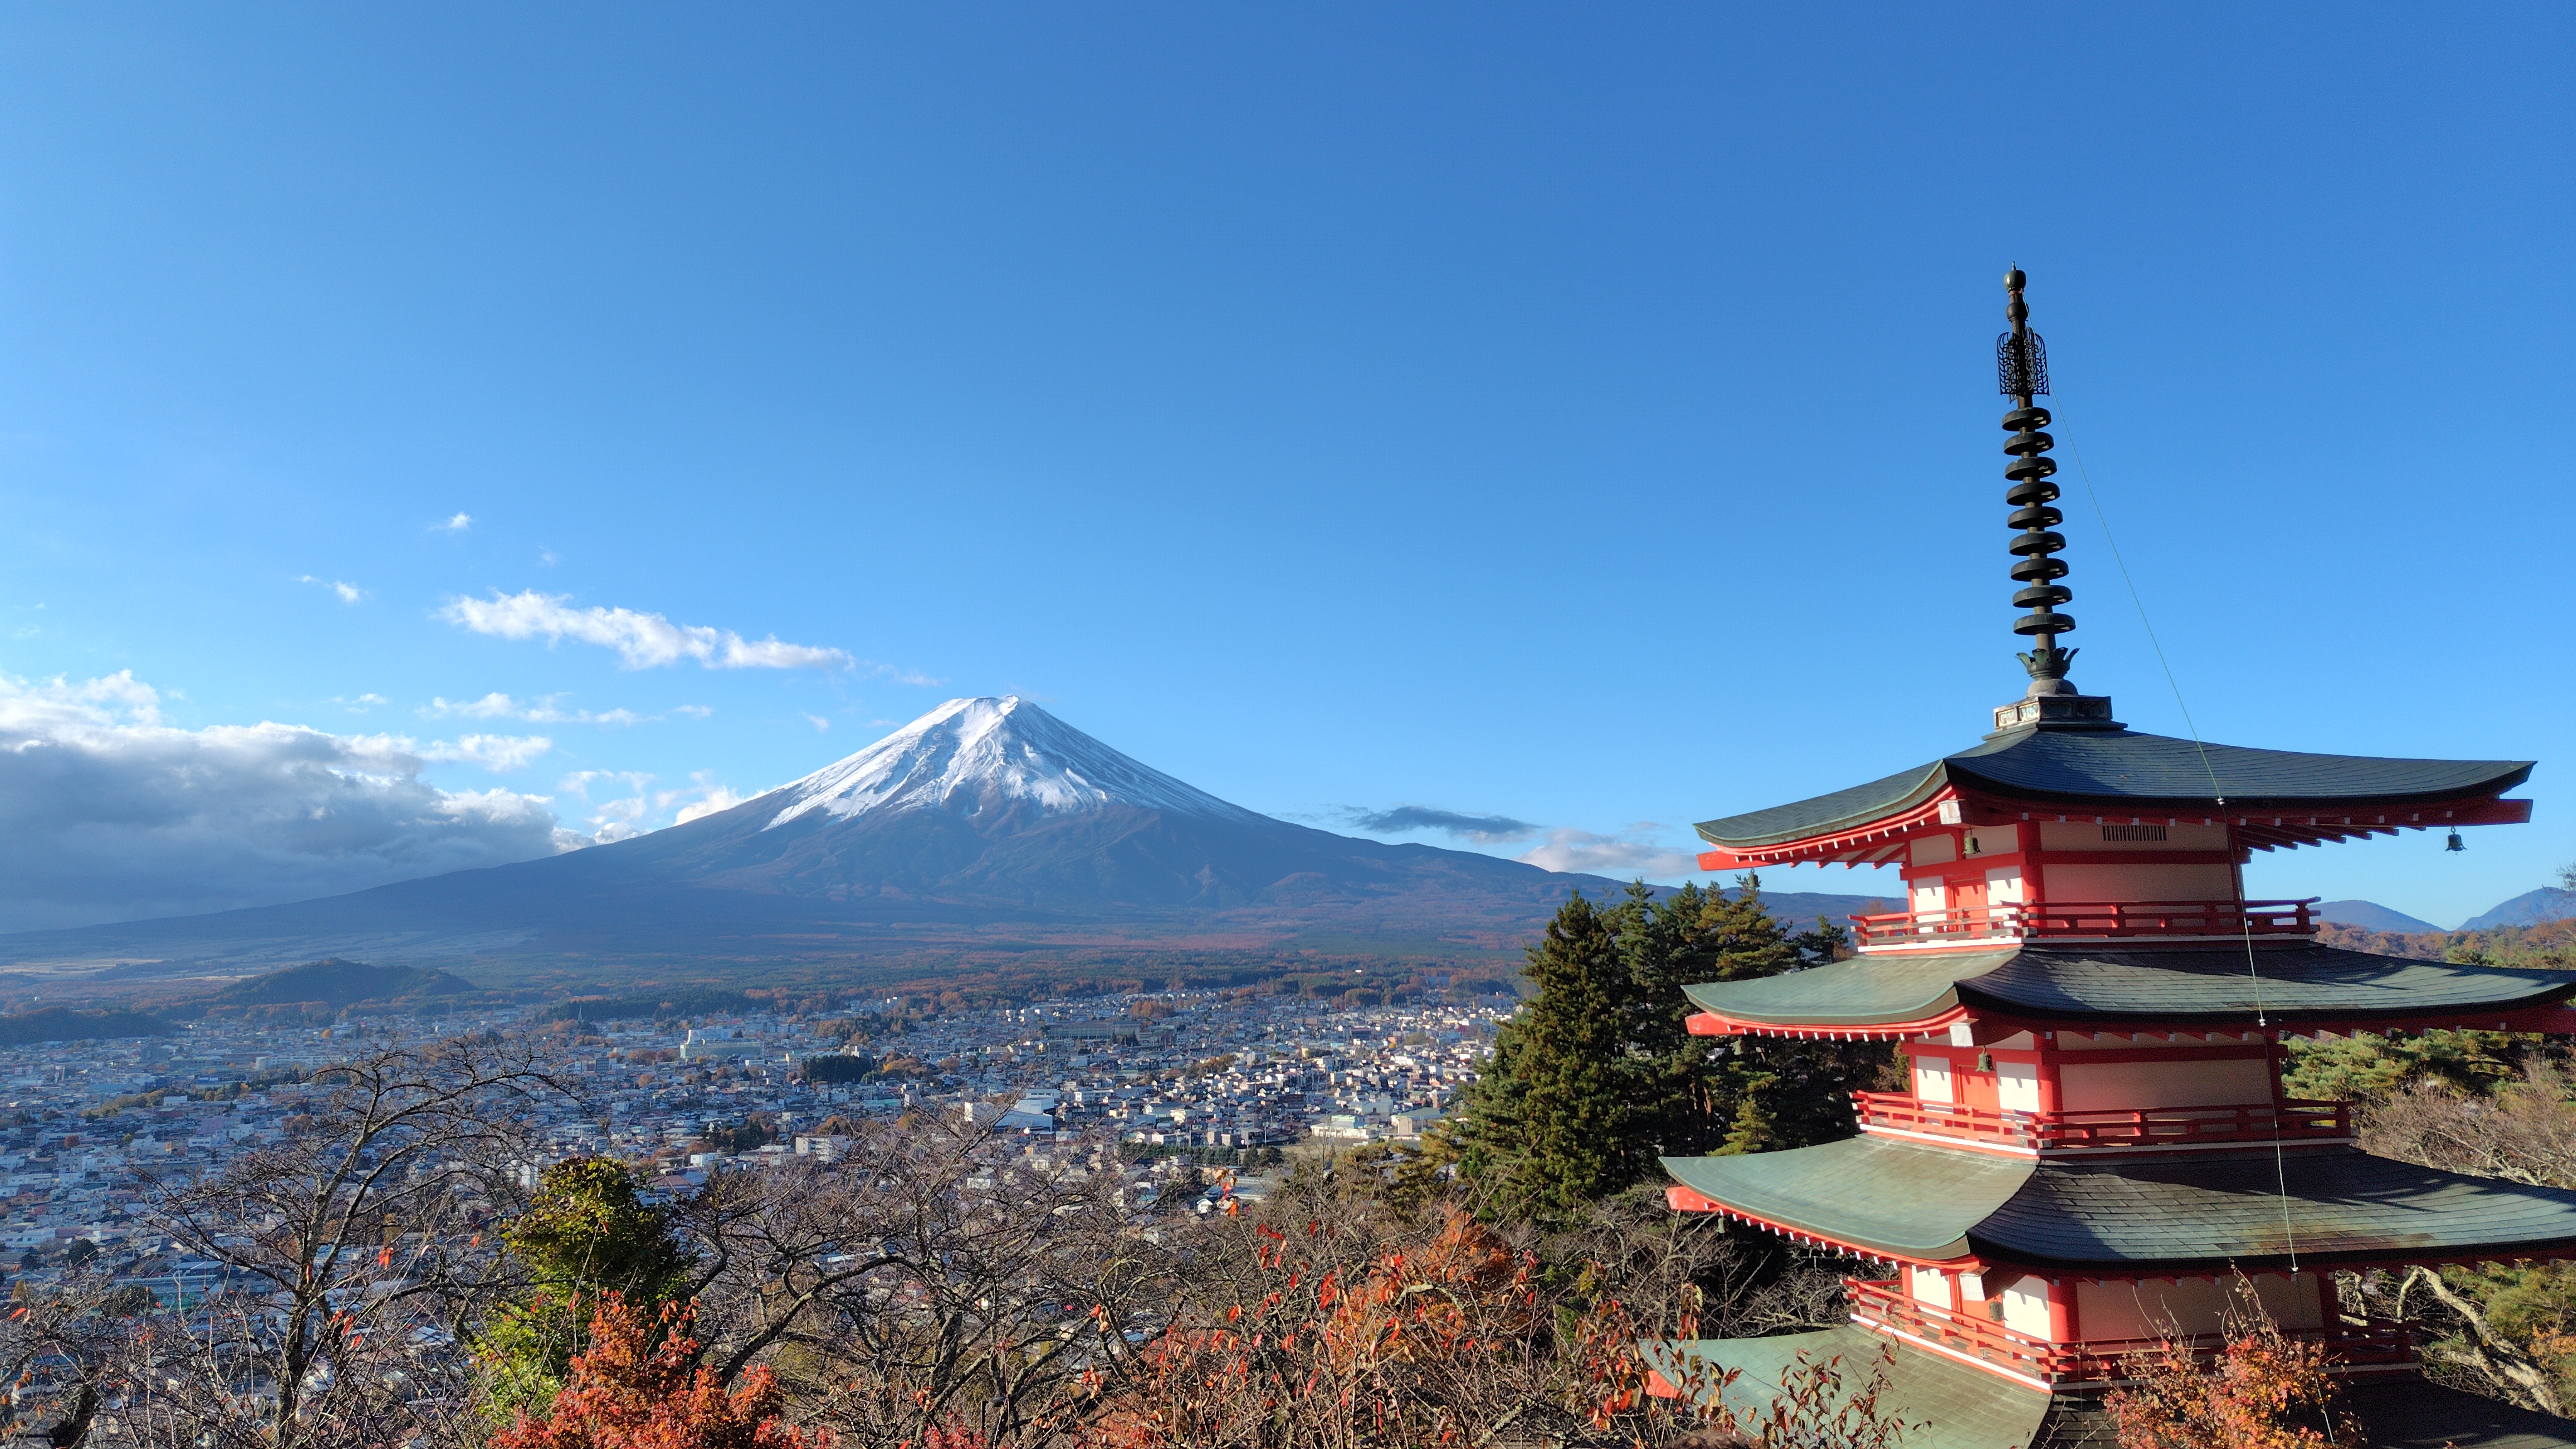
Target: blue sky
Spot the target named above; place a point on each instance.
(1573, 416)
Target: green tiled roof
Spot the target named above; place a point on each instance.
(2123, 767)
(1944, 1405)
(1949, 1405)
(2344, 1205)
(1906, 1201)
(2183, 985)
(2203, 1210)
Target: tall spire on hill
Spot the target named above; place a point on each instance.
(2021, 374)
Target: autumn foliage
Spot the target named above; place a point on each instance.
(2265, 1390)
(629, 1392)
(1432, 1343)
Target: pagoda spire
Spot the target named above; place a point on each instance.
(2021, 371)
(2021, 374)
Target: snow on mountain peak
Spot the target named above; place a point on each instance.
(975, 754)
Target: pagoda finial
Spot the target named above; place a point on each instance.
(2021, 373)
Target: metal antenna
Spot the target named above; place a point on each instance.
(2021, 373)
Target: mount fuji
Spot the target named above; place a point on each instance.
(985, 832)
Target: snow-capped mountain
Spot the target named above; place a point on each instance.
(972, 755)
(986, 834)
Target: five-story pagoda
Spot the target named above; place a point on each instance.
(2096, 1148)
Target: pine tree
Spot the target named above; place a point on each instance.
(586, 1233)
(1599, 1076)
(1555, 1112)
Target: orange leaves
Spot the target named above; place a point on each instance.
(2262, 1391)
(629, 1393)
(1430, 1340)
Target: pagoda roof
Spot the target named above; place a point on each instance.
(2181, 1212)
(2182, 985)
(2128, 771)
(1945, 1404)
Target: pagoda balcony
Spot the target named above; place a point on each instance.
(1883, 1304)
(2295, 1120)
(2087, 920)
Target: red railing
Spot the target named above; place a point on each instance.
(2112, 919)
(2296, 1120)
(1885, 1303)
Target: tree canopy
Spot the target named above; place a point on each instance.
(1598, 1075)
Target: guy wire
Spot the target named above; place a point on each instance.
(2280, 1166)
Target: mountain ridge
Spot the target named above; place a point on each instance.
(985, 831)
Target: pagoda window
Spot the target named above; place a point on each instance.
(1938, 849)
(1932, 1080)
(2017, 1086)
(2004, 888)
(2026, 1308)
(2147, 880)
(1929, 895)
(1928, 1286)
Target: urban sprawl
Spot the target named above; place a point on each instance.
(93, 1129)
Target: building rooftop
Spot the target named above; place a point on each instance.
(2131, 771)
(1944, 1405)
(1949, 1405)
(2209, 1211)
(2175, 985)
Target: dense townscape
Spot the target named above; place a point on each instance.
(93, 1127)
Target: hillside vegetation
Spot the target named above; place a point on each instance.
(2550, 943)
(336, 982)
(62, 1023)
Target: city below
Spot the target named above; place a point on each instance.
(93, 1129)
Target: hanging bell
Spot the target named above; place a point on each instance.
(2455, 842)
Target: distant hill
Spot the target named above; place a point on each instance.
(2548, 903)
(657, 1006)
(62, 1023)
(341, 983)
(987, 836)
(2371, 916)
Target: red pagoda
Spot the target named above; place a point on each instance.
(2096, 1145)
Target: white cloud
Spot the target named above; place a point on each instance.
(642, 641)
(693, 711)
(639, 809)
(458, 524)
(108, 814)
(497, 753)
(545, 709)
(620, 816)
(361, 704)
(349, 593)
(712, 799)
(819, 723)
(490, 706)
(1629, 855)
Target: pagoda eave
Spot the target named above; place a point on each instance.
(2553, 1018)
(2279, 825)
(2129, 1216)
(2173, 985)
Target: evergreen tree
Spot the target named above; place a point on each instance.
(587, 1233)
(1599, 1076)
(1554, 1112)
